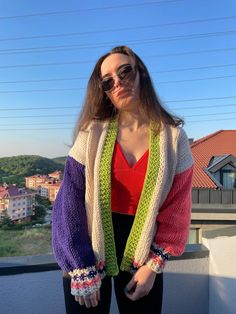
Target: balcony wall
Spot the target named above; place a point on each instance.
(33, 285)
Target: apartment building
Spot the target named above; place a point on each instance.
(16, 203)
(46, 185)
(49, 190)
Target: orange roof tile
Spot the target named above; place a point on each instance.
(218, 143)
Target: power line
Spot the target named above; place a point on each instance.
(200, 99)
(88, 9)
(153, 56)
(43, 90)
(54, 123)
(79, 78)
(196, 79)
(133, 42)
(210, 120)
(38, 108)
(210, 114)
(39, 116)
(77, 108)
(47, 129)
(72, 115)
(37, 129)
(120, 29)
(160, 71)
(203, 107)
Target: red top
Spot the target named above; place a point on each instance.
(126, 181)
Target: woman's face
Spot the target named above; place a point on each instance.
(120, 81)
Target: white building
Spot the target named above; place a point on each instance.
(16, 203)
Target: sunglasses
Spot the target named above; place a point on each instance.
(125, 74)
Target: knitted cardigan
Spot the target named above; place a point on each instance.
(82, 231)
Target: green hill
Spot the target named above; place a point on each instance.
(60, 160)
(15, 169)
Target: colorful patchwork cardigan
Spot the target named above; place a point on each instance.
(82, 231)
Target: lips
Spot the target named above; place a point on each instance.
(121, 92)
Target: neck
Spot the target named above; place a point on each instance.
(132, 120)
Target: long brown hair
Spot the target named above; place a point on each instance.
(97, 106)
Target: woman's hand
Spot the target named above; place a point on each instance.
(89, 300)
(141, 283)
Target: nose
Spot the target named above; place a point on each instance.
(117, 81)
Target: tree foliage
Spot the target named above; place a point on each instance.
(15, 169)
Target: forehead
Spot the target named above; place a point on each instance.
(112, 63)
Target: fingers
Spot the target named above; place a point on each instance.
(80, 300)
(98, 295)
(137, 293)
(131, 285)
(90, 300)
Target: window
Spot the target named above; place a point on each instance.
(228, 176)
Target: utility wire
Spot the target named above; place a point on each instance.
(163, 82)
(72, 122)
(47, 129)
(112, 30)
(37, 129)
(209, 114)
(77, 108)
(24, 124)
(72, 115)
(133, 42)
(153, 56)
(38, 108)
(210, 120)
(88, 9)
(82, 78)
(43, 90)
(200, 99)
(39, 116)
(160, 71)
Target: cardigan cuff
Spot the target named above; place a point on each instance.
(157, 258)
(84, 281)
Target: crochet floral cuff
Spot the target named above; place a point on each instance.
(157, 258)
(84, 281)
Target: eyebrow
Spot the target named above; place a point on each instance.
(121, 66)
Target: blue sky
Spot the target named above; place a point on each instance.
(189, 48)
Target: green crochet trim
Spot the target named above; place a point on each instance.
(105, 199)
(144, 201)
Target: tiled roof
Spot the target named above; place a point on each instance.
(12, 191)
(216, 144)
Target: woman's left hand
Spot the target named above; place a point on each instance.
(141, 283)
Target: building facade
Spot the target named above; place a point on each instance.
(16, 203)
(214, 185)
(46, 185)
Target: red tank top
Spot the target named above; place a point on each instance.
(126, 181)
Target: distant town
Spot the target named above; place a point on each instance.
(17, 204)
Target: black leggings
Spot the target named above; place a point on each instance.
(151, 303)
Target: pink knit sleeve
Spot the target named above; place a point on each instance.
(173, 222)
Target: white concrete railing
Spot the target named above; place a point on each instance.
(33, 285)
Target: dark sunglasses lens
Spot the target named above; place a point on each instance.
(107, 84)
(125, 72)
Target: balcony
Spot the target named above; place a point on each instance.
(32, 284)
(202, 280)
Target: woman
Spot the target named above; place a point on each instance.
(125, 201)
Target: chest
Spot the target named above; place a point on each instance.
(134, 144)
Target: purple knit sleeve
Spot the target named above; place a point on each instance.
(70, 239)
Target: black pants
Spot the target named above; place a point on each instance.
(149, 304)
